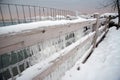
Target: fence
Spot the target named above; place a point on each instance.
(15, 14)
(59, 46)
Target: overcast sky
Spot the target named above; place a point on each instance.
(83, 6)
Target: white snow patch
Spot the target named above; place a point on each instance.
(103, 64)
(115, 20)
(108, 14)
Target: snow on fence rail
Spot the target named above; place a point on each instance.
(46, 53)
(11, 14)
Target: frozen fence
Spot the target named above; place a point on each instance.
(16, 13)
(55, 48)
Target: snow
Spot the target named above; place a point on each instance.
(115, 20)
(108, 14)
(36, 69)
(103, 64)
(33, 25)
(85, 54)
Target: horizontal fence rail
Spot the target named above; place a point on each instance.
(11, 14)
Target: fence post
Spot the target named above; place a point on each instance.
(30, 14)
(47, 13)
(17, 13)
(10, 13)
(107, 24)
(24, 14)
(35, 12)
(39, 13)
(2, 16)
(96, 30)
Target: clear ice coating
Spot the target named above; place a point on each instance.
(15, 62)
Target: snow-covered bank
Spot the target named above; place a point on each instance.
(103, 64)
(33, 25)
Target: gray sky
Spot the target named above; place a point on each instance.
(83, 6)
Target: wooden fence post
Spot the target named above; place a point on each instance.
(96, 30)
(107, 24)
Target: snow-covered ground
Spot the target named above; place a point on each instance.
(103, 64)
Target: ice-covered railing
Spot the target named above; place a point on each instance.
(45, 53)
(17, 13)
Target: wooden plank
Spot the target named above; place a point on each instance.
(35, 36)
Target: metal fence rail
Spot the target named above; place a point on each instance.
(11, 14)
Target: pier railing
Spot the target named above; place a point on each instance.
(11, 14)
